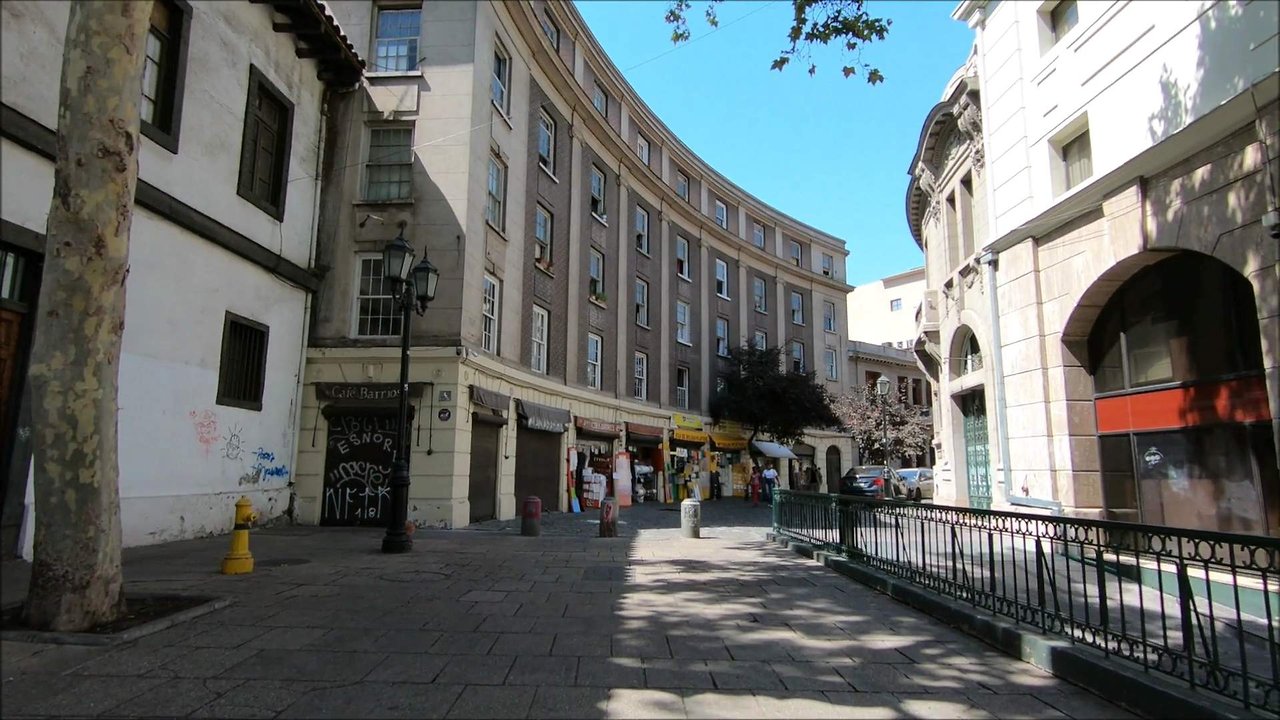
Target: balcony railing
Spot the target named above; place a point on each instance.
(1201, 608)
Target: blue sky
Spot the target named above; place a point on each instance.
(830, 151)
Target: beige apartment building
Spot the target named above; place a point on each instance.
(593, 273)
(883, 312)
(1096, 196)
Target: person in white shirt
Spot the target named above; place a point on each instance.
(770, 477)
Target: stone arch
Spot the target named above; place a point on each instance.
(833, 469)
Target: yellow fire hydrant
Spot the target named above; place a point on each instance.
(239, 560)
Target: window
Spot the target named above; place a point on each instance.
(794, 249)
(828, 265)
(642, 230)
(595, 275)
(497, 192)
(547, 143)
(501, 77)
(895, 305)
(757, 234)
(594, 343)
(597, 192)
(682, 185)
(682, 388)
(389, 171)
(264, 148)
(600, 99)
(722, 215)
(551, 29)
(829, 356)
(376, 312)
(1062, 18)
(797, 308)
(722, 337)
(682, 323)
(682, 257)
(797, 356)
(538, 340)
(761, 339)
(541, 236)
(758, 295)
(396, 48)
(722, 279)
(489, 314)
(642, 303)
(642, 148)
(164, 68)
(242, 372)
(828, 316)
(640, 390)
(1077, 159)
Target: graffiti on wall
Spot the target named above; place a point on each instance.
(358, 469)
(205, 424)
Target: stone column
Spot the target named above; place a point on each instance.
(707, 341)
(663, 305)
(574, 260)
(626, 288)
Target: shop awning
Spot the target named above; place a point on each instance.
(689, 436)
(543, 417)
(489, 398)
(644, 433)
(728, 442)
(773, 450)
(803, 449)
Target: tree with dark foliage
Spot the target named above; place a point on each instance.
(760, 395)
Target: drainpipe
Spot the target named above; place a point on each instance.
(988, 260)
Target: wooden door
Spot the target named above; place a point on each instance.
(483, 489)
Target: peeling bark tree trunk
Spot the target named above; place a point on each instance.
(76, 576)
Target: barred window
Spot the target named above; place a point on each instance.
(682, 388)
(243, 369)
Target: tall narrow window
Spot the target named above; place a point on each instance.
(376, 313)
(595, 275)
(682, 185)
(722, 337)
(501, 78)
(682, 388)
(242, 372)
(551, 29)
(389, 171)
(1077, 159)
(642, 303)
(497, 192)
(164, 63)
(396, 47)
(828, 316)
(761, 339)
(722, 215)
(541, 236)
(597, 192)
(489, 314)
(797, 308)
(796, 253)
(547, 143)
(797, 356)
(828, 265)
(758, 295)
(642, 148)
(832, 370)
(757, 234)
(683, 336)
(722, 279)
(594, 345)
(264, 148)
(1063, 17)
(538, 340)
(642, 230)
(682, 257)
(640, 389)
(600, 99)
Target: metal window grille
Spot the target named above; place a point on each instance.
(682, 388)
(243, 368)
(376, 312)
(389, 171)
(396, 48)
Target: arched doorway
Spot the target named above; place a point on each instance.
(971, 404)
(1184, 426)
(833, 469)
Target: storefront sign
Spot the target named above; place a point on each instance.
(365, 393)
(597, 427)
(728, 442)
(686, 422)
(689, 436)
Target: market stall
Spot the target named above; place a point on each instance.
(594, 445)
(687, 472)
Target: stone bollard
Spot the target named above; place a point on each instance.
(691, 518)
(609, 517)
(531, 518)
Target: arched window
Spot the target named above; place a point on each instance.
(970, 359)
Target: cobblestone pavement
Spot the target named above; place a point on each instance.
(729, 518)
(493, 625)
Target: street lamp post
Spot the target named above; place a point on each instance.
(413, 287)
(883, 386)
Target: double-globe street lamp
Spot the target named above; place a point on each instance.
(883, 386)
(412, 286)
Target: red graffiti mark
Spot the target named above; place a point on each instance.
(206, 427)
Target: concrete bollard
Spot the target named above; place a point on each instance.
(609, 517)
(691, 518)
(531, 518)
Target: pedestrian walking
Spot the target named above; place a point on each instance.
(756, 481)
(770, 478)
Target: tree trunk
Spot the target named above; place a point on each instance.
(76, 576)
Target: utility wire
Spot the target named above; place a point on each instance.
(691, 41)
(310, 176)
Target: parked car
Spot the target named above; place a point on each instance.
(874, 481)
(919, 482)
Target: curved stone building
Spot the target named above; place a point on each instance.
(593, 272)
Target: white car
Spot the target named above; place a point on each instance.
(919, 483)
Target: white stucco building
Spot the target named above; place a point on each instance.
(1096, 196)
(884, 312)
(221, 255)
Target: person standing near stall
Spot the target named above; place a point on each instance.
(770, 477)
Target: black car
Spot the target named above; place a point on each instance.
(873, 481)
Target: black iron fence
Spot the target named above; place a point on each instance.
(1200, 607)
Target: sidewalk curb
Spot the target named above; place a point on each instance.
(1145, 694)
(133, 633)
